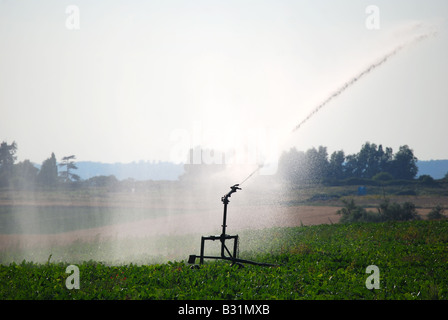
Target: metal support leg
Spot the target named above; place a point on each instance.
(235, 247)
(223, 237)
(201, 260)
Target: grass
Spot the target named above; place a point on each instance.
(422, 196)
(314, 262)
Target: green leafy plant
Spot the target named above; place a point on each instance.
(314, 262)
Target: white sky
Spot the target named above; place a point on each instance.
(138, 72)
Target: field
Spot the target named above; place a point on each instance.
(141, 252)
(314, 262)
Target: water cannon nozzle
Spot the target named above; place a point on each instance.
(235, 187)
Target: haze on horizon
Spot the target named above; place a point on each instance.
(134, 73)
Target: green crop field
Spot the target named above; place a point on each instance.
(314, 262)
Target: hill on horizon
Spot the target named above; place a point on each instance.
(147, 170)
(435, 168)
(142, 170)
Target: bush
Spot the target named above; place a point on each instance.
(354, 213)
(407, 192)
(437, 213)
(427, 180)
(386, 212)
(382, 176)
(396, 212)
(357, 181)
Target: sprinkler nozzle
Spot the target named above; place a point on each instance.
(235, 187)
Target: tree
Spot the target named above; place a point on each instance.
(370, 160)
(48, 174)
(304, 167)
(7, 158)
(109, 182)
(25, 174)
(290, 163)
(336, 165)
(383, 159)
(351, 165)
(404, 165)
(316, 164)
(69, 165)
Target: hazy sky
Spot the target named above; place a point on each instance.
(137, 75)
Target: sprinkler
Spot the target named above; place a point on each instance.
(225, 252)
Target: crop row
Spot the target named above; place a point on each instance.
(314, 262)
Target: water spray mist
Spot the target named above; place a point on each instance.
(361, 74)
(226, 254)
(352, 81)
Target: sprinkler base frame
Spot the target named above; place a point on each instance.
(223, 237)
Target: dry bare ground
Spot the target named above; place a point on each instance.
(239, 218)
(256, 208)
(206, 222)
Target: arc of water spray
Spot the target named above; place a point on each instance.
(359, 76)
(349, 83)
(253, 172)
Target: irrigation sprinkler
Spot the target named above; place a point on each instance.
(225, 252)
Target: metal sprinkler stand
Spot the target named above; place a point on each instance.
(223, 237)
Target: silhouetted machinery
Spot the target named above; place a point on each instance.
(225, 252)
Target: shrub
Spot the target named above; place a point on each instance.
(396, 212)
(357, 181)
(406, 192)
(382, 176)
(354, 213)
(427, 180)
(387, 211)
(437, 213)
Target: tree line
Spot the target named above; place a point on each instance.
(25, 175)
(51, 175)
(311, 166)
(371, 162)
